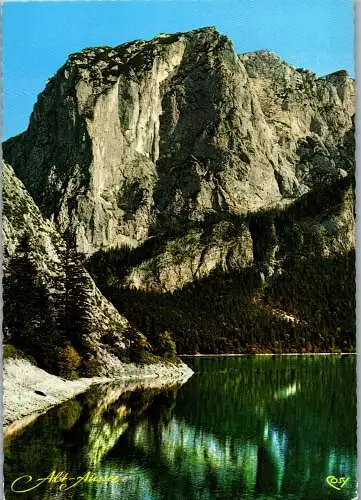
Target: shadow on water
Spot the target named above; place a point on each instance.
(240, 428)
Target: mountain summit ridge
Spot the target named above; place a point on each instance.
(127, 142)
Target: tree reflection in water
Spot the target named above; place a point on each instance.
(251, 428)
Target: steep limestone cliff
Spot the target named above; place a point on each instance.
(127, 142)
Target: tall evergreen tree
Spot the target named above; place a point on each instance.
(29, 310)
(78, 291)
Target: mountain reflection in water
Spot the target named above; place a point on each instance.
(240, 428)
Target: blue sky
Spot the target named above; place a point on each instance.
(38, 36)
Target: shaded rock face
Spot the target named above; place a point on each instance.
(127, 142)
(50, 299)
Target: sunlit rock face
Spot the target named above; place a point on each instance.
(193, 256)
(129, 141)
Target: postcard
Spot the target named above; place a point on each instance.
(179, 250)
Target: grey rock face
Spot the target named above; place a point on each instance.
(129, 141)
(193, 256)
(46, 252)
(266, 242)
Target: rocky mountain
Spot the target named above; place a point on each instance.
(53, 311)
(129, 141)
(205, 190)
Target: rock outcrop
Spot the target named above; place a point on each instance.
(193, 256)
(130, 141)
(319, 224)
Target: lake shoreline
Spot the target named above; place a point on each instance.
(244, 424)
(22, 405)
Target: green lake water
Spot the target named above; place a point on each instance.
(241, 428)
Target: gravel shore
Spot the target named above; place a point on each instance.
(22, 404)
